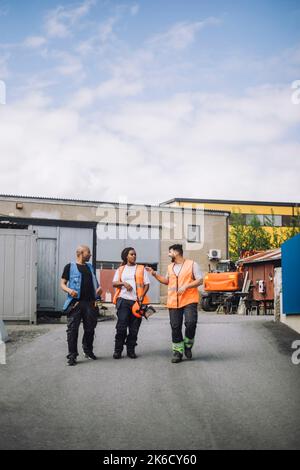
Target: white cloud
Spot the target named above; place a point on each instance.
(67, 65)
(55, 26)
(34, 41)
(108, 90)
(185, 144)
(106, 29)
(193, 145)
(59, 22)
(181, 35)
(4, 72)
(71, 66)
(135, 9)
(95, 43)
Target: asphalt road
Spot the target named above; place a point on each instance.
(241, 391)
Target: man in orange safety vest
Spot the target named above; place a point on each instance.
(183, 279)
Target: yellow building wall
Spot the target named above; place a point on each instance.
(244, 209)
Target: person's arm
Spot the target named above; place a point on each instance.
(195, 283)
(118, 284)
(146, 288)
(65, 288)
(161, 279)
(99, 291)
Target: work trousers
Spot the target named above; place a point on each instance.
(88, 313)
(127, 327)
(190, 314)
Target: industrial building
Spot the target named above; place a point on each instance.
(281, 213)
(59, 225)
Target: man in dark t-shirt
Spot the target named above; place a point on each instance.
(80, 283)
(87, 288)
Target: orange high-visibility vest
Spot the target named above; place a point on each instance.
(139, 282)
(185, 276)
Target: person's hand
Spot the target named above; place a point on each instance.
(73, 293)
(150, 270)
(99, 292)
(127, 286)
(182, 289)
(140, 300)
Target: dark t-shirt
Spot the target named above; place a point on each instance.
(87, 287)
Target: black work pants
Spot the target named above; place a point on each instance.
(127, 327)
(88, 313)
(190, 314)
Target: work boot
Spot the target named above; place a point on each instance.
(90, 355)
(188, 344)
(188, 353)
(131, 354)
(117, 355)
(72, 361)
(177, 357)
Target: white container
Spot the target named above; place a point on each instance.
(18, 275)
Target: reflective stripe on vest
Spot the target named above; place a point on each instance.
(139, 282)
(185, 276)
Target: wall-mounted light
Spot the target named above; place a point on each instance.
(19, 205)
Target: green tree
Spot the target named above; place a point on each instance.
(247, 237)
(278, 235)
(254, 236)
(294, 229)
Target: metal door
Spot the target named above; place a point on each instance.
(46, 280)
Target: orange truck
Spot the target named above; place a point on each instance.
(221, 283)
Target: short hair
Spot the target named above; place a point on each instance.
(125, 253)
(177, 247)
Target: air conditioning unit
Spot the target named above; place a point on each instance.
(214, 254)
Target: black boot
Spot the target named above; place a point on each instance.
(72, 361)
(90, 355)
(177, 357)
(117, 354)
(131, 354)
(188, 353)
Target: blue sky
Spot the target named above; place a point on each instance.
(184, 95)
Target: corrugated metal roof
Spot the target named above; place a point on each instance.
(231, 201)
(87, 202)
(264, 256)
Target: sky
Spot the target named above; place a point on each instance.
(147, 100)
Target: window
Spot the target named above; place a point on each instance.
(251, 217)
(273, 220)
(194, 234)
(108, 264)
(237, 217)
(265, 219)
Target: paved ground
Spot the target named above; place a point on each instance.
(241, 391)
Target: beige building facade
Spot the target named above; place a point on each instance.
(152, 229)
